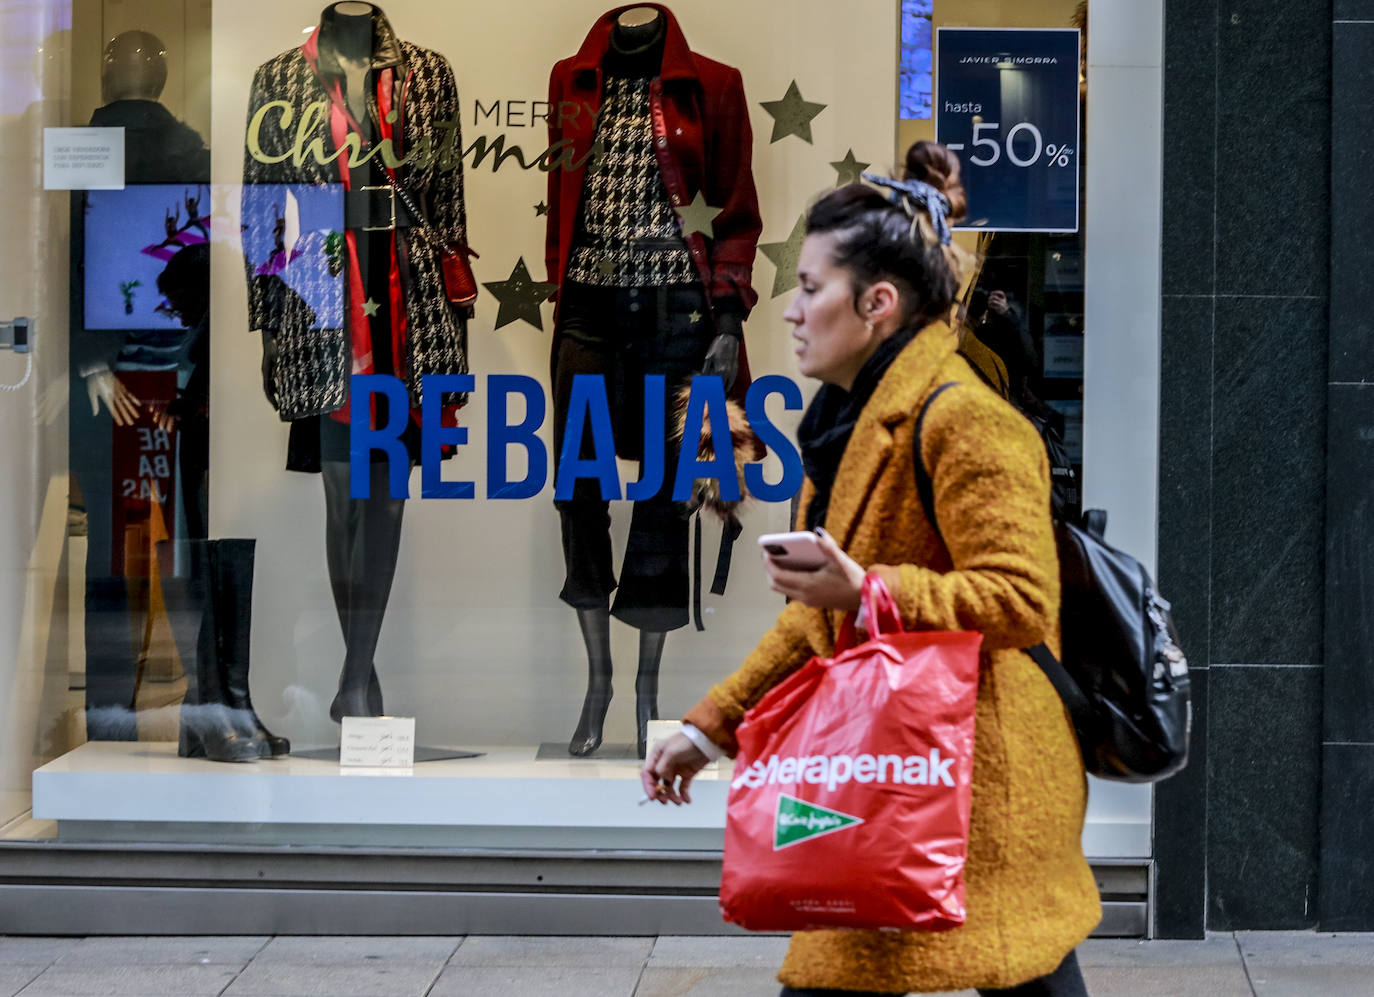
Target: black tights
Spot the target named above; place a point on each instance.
(362, 540)
(1066, 981)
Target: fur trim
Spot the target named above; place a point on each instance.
(706, 491)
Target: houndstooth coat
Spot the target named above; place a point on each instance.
(302, 296)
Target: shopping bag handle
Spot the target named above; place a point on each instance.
(880, 611)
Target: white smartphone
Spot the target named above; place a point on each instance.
(800, 551)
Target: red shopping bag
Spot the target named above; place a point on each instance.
(850, 802)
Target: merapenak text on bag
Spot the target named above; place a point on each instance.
(832, 771)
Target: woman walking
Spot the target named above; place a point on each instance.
(877, 278)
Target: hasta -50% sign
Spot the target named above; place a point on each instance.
(1007, 102)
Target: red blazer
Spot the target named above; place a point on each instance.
(704, 145)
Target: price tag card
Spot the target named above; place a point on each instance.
(378, 742)
(1007, 103)
(83, 158)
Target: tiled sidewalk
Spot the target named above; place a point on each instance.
(1268, 964)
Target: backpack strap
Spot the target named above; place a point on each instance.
(924, 486)
(1095, 522)
(1079, 707)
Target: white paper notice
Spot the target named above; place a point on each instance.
(378, 742)
(83, 158)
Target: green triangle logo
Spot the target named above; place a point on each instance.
(797, 821)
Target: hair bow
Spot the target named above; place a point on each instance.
(917, 193)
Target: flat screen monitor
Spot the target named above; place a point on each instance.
(289, 232)
(130, 235)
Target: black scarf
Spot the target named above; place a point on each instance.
(829, 423)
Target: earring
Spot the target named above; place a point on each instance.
(869, 326)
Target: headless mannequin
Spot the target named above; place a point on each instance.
(637, 30)
(362, 536)
(349, 33)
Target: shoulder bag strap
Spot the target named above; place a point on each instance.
(925, 487)
(1079, 707)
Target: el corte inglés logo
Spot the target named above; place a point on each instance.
(797, 821)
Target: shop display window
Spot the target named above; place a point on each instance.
(428, 362)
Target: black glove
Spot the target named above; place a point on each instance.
(269, 367)
(722, 359)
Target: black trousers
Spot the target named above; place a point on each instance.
(623, 335)
(111, 643)
(1066, 981)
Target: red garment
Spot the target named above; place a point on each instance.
(705, 145)
(341, 122)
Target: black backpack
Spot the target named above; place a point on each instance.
(1124, 679)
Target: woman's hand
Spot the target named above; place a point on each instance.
(670, 768)
(835, 585)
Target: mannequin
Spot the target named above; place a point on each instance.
(396, 317)
(158, 149)
(362, 536)
(639, 298)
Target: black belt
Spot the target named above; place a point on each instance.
(730, 531)
(376, 209)
(658, 245)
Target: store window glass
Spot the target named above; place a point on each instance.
(382, 364)
(1007, 77)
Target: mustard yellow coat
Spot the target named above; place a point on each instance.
(1031, 897)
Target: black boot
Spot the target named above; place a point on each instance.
(208, 729)
(231, 581)
(646, 684)
(596, 634)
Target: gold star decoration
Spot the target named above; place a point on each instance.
(370, 308)
(520, 296)
(694, 318)
(541, 209)
(784, 256)
(606, 267)
(698, 217)
(850, 170)
(792, 115)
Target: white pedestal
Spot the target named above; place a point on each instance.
(141, 791)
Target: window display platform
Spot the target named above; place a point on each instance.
(510, 797)
(141, 791)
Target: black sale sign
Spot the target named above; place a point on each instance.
(1007, 102)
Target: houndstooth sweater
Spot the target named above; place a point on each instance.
(624, 200)
(306, 308)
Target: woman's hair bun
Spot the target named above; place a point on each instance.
(876, 239)
(936, 165)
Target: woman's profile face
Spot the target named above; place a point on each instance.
(832, 339)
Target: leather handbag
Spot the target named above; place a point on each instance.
(459, 282)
